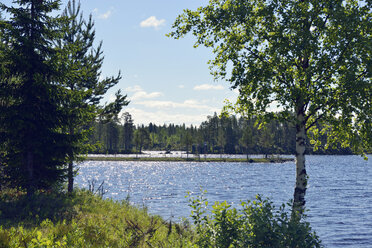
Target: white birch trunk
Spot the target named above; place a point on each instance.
(301, 175)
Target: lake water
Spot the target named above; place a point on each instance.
(339, 195)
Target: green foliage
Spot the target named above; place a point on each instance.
(127, 132)
(306, 62)
(30, 101)
(82, 219)
(187, 141)
(310, 58)
(50, 92)
(79, 68)
(255, 224)
(141, 138)
(229, 135)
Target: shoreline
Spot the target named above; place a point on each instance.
(190, 159)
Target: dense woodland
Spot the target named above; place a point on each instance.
(218, 134)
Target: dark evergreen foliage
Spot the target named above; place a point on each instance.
(80, 66)
(50, 93)
(31, 111)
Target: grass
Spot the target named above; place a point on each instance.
(190, 159)
(82, 219)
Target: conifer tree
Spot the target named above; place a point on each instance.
(80, 66)
(32, 117)
(128, 129)
(3, 104)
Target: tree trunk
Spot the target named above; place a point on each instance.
(301, 175)
(30, 170)
(70, 169)
(70, 175)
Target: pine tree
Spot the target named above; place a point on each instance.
(80, 71)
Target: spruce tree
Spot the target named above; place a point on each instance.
(3, 103)
(32, 117)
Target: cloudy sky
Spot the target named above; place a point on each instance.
(166, 80)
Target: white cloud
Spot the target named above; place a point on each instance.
(105, 15)
(158, 104)
(152, 22)
(133, 88)
(191, 102)
(145, 107)
(144, 94)
(208, 87)
(139, 93)
(161, 117)
(188, 104)
(181, 86)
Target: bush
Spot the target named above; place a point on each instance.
(83, 219)
(256, 224)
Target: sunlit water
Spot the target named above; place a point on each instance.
(339, 196)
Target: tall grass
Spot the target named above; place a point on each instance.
(83, 220)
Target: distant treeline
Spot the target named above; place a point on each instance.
(229, 135)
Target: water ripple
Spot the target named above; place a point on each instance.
(339, 197)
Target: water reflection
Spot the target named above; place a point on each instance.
(339, 196)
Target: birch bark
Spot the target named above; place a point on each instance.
(301, 175)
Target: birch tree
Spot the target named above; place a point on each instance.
(307, 62)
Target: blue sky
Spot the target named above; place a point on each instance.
(167, 80)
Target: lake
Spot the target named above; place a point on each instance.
(339, 195)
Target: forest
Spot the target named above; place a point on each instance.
(218, 134)
(312, 60)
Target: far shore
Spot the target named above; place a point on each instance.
(190, 159)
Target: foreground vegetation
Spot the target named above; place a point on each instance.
(82, 219)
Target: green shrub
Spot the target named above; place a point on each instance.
(85, 220)
(255, 224)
